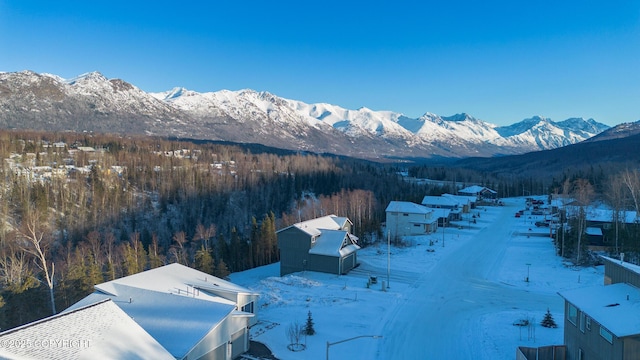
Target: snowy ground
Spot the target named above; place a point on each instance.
(457, 301)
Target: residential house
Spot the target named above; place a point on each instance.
(603, 322)
(481, 192)
(595, 239)
(600, 229)
(407, 218)
(323, 244)
(454, 212)
(101, 330)
(191, 314)
(466, 203)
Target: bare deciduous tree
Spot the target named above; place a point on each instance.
(583, 193)
(631, 179)
(294, 333)
(37, 242)
(616, 198)
(180, 238)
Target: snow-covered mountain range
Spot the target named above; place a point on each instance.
(92, 102)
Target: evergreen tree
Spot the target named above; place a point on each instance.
(308, 328)
(204, 260)
(548, 321)
(221, 270)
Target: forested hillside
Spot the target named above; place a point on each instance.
(80, 209)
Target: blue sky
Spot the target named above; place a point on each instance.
(500, 61)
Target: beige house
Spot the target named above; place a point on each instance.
(406, 218)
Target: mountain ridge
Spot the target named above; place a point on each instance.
(91, 102)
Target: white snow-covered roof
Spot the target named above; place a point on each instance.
(407, 207)
(616, 307)
(439, 201)
(177, 322)
(330, 243)
(442, 213)
(593, 231)
(462, 199)
(179, 280)
(313, 226)
(476, 189)
(603, 215)
(98, 330)
(561, 201)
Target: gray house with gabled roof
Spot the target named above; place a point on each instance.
(323, 244)
(603, 322)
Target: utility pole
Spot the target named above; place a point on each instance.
(388, 258)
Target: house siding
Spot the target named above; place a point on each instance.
(216, 354)
(632, 347)
(322, 263)
(590, 341)
(241, 300)
(232, 329)
(400, 225)
(239, 343)
(348, 263)
(294, 247)
(615, 273)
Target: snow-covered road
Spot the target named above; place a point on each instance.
(440, 318)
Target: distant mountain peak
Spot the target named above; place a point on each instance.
(535, 119)
(459, 117)
(176, 92)
(90, 76)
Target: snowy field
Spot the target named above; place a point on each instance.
(457, 301)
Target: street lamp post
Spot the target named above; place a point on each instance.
(528, 266)
(443, 222)
(353, 338)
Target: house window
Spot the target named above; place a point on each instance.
(248, 308)
(572, 314)
(405, 214)
(580, 354)
(606, 334)
(416, 225)
(588, 323)
(583, 321)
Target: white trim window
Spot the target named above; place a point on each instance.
(583, 321)
(606, 334)
(572, 314)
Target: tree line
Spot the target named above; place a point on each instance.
(73, 217)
